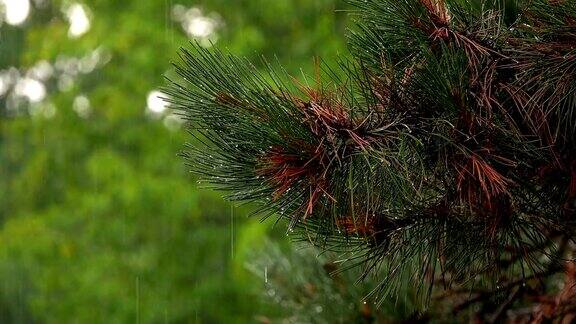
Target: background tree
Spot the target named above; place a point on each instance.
(99, 222)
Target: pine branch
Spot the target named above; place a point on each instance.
(446, 149)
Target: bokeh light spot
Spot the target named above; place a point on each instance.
(156, 103)
(16, 11)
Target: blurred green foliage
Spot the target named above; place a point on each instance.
(313, 288)
(100, 220)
